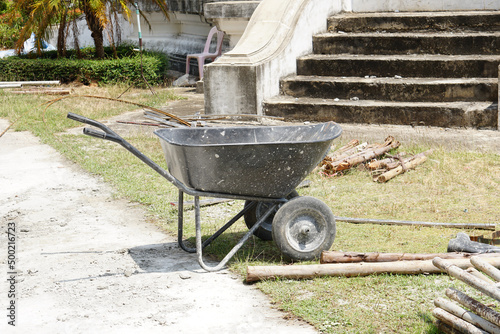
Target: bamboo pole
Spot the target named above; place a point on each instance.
(414, 223)
(468, 316)
(255, 273)
(464, 276)
(474, 305)
(456, 323)
(486, 268)
(352, 257)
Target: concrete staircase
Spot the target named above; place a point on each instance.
(434, 69)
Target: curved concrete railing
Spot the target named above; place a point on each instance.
(278, 32)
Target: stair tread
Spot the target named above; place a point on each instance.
(392, 80)
(420, 34)
(361, 103)
(416, 57)
(419, 14)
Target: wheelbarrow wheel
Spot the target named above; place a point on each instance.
(303, 227)
(264, 232)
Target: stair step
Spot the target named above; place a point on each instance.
(411, 21)
(408, 43)
(444, 66)
(391, 89)
(444, 114)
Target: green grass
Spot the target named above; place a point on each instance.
(454, 185)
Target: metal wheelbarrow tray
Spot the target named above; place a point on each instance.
(261, 165)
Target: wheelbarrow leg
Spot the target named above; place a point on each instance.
(199, 245)
(180, 224)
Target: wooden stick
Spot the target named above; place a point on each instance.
(255, 273)
(349, 146)
(468, 316)
(445, 328)
(378, 164)
(456, 323)
(352, 257)
(474, 305)
(486, 268)
(399, 170)
(453, 270)
(473, 271)
(353, 160)
(414, 223)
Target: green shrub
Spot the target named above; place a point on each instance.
(107, 71)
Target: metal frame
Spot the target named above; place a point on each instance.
(110, 135)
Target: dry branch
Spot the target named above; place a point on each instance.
(335, 163)
(346, 148)
(255, 273)
(353, 257)
(400, 169)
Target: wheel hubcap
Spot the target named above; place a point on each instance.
(305, 232)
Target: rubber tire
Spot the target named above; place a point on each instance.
(306, 213)
(264, 232)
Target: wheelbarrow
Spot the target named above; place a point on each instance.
(261, 165)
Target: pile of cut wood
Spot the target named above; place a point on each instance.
(469, 315)
(385, 168)
(349, 264)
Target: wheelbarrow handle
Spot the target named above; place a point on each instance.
(102, 135)
(83, 119)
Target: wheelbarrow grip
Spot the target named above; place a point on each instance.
(80, 118)
(101, 135)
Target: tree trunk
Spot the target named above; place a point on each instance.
(61, 36)
(95, 26)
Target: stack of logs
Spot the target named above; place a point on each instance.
(352, 264)
(451, 318)
(477, 318)
(354, 154)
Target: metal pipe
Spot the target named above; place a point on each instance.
(199, 250)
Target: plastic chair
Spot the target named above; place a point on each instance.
(206, 54)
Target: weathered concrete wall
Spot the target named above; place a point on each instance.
(278, 32)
